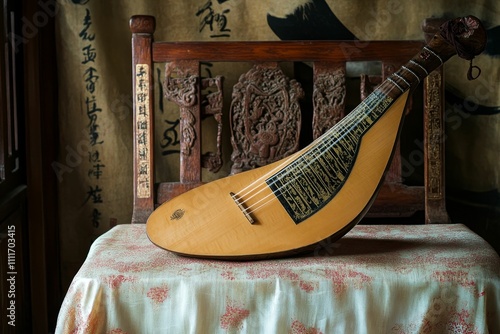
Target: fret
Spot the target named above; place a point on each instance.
(419, 66)
(402, 79)
(324, 168)
(410, 71)
(434, 54)
(312, 180)
(396, 84)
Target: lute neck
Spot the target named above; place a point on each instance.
(312, 179)
(464, 36)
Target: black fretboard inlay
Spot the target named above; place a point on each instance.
(312, 180)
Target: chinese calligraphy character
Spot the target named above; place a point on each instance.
(89, 54)
(94, 194)
(96, 171)
(142, 125)
(141, 138)
(143, 110)
(143, 153)
(143, 169)
(94, 156)
(91, 106)
(96, 217)
(215, 22)
(170, 138)
(84, 35)
(92, 111)
(90, 79)
(141, 71)
(93, 134)
(141, 97)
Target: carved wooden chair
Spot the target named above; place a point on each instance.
(265, 112)
(429, 278)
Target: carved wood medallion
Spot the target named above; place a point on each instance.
(265, 117)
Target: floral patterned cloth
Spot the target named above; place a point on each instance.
(376, 279)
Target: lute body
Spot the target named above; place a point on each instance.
(318, 193)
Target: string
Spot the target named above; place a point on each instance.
(354, 114)
(470, 75)
(330, 142)
(292, 157)
(256, 205)
(455, 30)
(450, 31)
(343, 129)
(315, 145)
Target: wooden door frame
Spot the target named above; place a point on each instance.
(40, 96)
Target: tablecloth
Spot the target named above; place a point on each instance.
(376, 279)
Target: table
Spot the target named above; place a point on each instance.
(376, 279)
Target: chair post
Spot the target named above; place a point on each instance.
(434, 148)
(142, 28)
(434, 137)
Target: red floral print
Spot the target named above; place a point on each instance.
(300, 328)
(233, 318)
(281, 273)
(158, 294)
(114, 281)
(343, 279)
(117, 331)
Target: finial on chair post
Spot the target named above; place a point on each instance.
(142, 24)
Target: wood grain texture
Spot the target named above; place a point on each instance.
(390, 53)
(142, 39)
(206, 222)
(333, 51)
